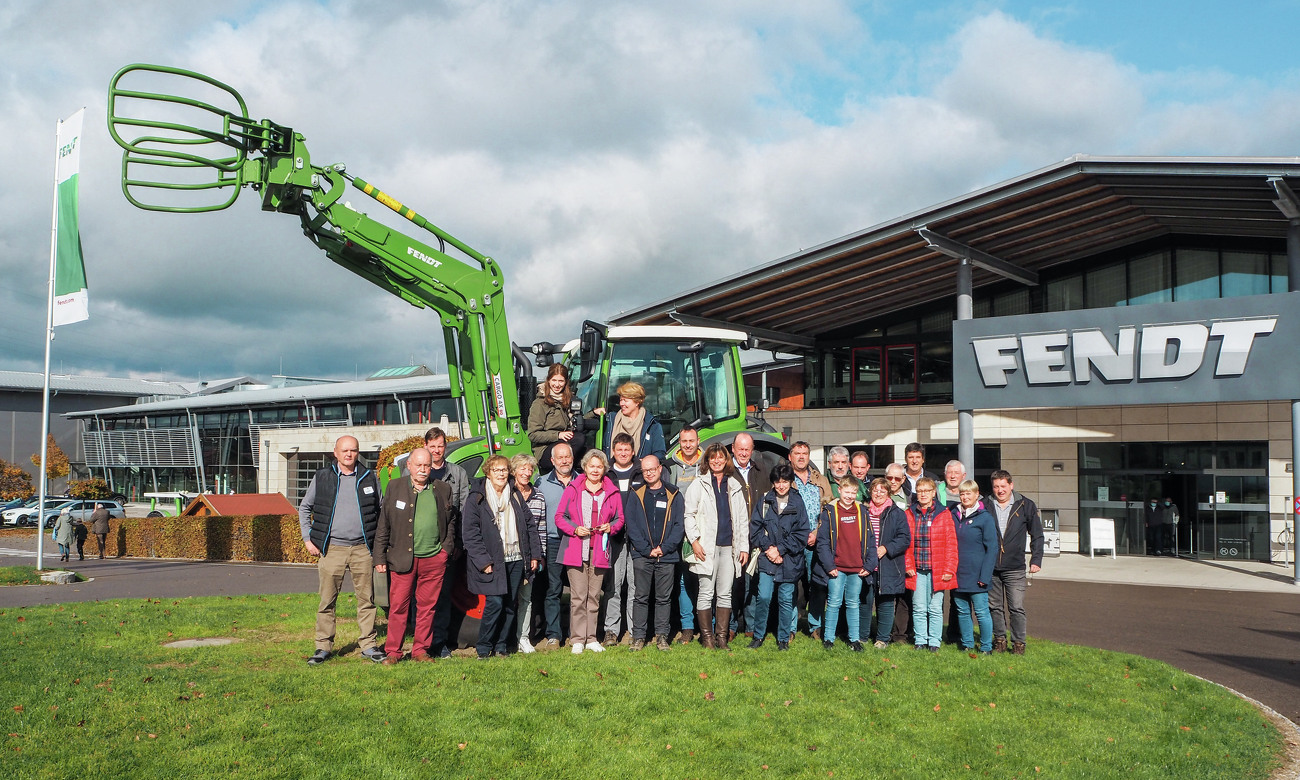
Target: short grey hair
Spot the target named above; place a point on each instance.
(838, 450)
(523, 459)
(594, 455)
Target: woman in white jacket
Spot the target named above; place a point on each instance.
(720, 550)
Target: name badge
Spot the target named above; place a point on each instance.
(367, 490)
(401, 504)
(661, 505)
(623, 483)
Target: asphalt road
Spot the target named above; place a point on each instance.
(1248, 641)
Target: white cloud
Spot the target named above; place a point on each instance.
(605, 153)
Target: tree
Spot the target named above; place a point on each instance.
(14, 482)
(56, 466)
(95, 487)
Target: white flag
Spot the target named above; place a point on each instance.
(70, 301)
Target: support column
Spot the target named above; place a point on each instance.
(966, 417)
(1293, 285)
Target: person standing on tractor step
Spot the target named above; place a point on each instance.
(338, 516)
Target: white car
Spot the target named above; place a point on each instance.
(26, 514)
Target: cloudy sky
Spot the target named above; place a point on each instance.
(606, 153)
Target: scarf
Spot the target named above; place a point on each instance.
(504, 512)
(631, 426)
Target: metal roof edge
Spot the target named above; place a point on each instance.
(1075, 164)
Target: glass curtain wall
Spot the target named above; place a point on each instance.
(1219, 490)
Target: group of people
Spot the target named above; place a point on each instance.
(693, 545)
(69, 530)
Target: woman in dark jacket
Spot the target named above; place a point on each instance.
(779, 531)
(500, 534)
(892, 541)
(977, 551)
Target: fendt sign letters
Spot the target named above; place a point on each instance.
(1231, 349)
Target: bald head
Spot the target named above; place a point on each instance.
(742, 448)
(651, 471)
(346, 450)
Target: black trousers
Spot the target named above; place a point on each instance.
(660, 574)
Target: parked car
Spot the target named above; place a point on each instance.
(25, 514)
(81, 510)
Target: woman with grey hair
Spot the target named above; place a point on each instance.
(590, 512)
(522, 468)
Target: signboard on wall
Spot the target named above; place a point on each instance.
(1227, 349)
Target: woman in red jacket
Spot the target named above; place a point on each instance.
(931, 563)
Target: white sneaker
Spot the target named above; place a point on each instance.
(577, 648)
(526, 647)
(595, 647)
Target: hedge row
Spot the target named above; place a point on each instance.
(226, 538)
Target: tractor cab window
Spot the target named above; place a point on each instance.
(677, 393)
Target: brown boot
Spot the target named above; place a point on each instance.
(724, 629)
(999, 644)
(686, 637)
(1017, 648)
(704, 619)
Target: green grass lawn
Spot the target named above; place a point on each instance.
(22, 575)
(89, 691)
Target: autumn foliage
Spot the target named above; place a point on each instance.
(56, 466)
(95, 487)
(14, 482)
(218, 538)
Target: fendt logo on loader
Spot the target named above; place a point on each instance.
(418, 255)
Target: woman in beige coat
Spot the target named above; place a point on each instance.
(717, 527)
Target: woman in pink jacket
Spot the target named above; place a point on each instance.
(589, 514)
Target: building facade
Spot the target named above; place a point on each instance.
(878, 318)
(263, 440)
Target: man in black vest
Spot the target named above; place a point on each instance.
(338, 516)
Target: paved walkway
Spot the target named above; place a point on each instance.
(1173, 572)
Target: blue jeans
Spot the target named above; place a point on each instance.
(554, 589)
(980, 603)
(685, 600)
(885, 617)
(868, 603)
(786, 613)
(815, 605)
(927, 612)
(843, 590)
(498, 625)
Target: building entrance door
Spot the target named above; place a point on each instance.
(1219, 490)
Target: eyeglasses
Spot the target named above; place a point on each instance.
(894, 479)
(499, 470)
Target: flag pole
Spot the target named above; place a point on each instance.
(49, 339)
